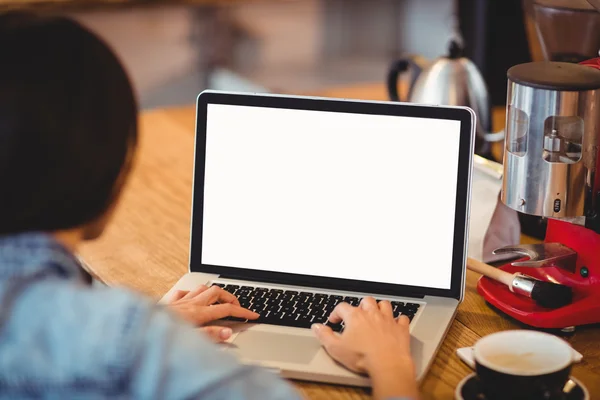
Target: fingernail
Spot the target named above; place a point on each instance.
(315, 327)
(225, 333)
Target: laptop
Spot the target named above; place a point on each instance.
(301, 203)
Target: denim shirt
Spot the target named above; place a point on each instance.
(61, 337)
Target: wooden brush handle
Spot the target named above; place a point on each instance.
(491, 272)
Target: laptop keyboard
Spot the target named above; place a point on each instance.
(299, 309)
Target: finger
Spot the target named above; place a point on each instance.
(340, 313)
(386, 308)
(193, 293)
(178, 295)
(215, 294)
(332, 344)
(325, 335)
(368, 304)
(403, 321)
(219, 311)
(217, 333)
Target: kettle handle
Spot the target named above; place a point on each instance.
(398, 67)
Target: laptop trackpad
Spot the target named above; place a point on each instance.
(277, 347)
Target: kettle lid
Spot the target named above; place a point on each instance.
(555, 76)
(455, 50)
(581, 5)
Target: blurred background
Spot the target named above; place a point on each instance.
(175, 49)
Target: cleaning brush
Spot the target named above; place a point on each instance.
(545, 294)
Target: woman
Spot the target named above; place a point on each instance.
(68, 136)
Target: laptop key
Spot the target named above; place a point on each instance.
(231, 288)
(314, 310)
(259, 307)
(301, 303)
(258, 298)
(287, 296)
(335, 302)
(334, 327)
(326, 312)
(288, 308)
(353, 301)
(273, 311)
(244, 301)
(305, 321)
(273, 318)
(302, 310)
(259, 304)
(221, 285)
(319, 298)
(409, 315)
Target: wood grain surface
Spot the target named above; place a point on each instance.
(146, 249)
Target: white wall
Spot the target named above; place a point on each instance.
(153, 43)
(274, 39)
(288, 33)
(426, 27)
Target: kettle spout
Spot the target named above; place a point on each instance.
(493, 137)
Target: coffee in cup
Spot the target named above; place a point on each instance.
(522, 364)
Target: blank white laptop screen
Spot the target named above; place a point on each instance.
(354, 196)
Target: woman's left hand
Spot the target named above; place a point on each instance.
(206, 304)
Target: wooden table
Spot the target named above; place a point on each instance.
(146, 248)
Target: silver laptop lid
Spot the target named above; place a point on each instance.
(330, 193)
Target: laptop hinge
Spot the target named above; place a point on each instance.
(322, 287)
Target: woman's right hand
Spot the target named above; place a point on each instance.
(375, 343)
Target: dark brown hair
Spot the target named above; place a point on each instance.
(68, 124)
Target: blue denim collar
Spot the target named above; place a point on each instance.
(29, 253)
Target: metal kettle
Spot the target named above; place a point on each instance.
(453, 80)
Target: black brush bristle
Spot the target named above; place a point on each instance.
(551, 295)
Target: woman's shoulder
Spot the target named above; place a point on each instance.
(64, 337)
(62, 332)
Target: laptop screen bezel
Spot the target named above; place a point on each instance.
(344, 106)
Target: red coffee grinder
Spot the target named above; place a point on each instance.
(552, 166)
